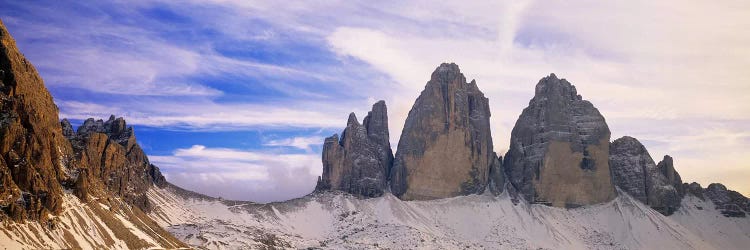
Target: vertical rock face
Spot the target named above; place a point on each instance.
(359, 162)
(559, 150)
(634, 171)
(109, 152)
(497, 175)
(33, 150)
(630, 163)
(729, 202)
(666, 167)
(445, 148)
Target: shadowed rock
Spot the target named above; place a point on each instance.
(445, 148)
(729, 202)
(559, 149)
(359, 162)
(634, 171)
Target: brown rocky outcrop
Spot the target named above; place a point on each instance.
(359, 162)
(559, 149)
(32, 147)
(110, 153)
(445, 148)
(41, 155)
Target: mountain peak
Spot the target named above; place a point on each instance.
(445, 148)
(447, 73)
(553, 87)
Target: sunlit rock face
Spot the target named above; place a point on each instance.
(559, 149)
(108, 151)
(445, 148)
(358, 162)
(33, 151)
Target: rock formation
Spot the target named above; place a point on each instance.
(497, 175)
(694, 189)
(729, 202)
(359, 162)
(33, 151)
(110, 153)
(38, 162)
(666, 168)
(634, 171)
(559, 149)
(445, 148)
(630, 163)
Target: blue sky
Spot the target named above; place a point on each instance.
(234, 98)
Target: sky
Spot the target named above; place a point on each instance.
(234, 98)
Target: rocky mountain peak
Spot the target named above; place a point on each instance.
(114, 128)
(445, 148)
(559, 151)
(352, 120)
(634, 171)
(553, 87)
(447, 71)
(359, 162)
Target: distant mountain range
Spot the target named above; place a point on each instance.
(562, 184)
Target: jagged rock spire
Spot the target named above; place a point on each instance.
(359, 162)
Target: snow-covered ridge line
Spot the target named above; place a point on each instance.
(338, 220)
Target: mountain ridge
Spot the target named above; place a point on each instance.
(94, 187)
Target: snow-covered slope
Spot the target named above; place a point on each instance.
(336, 220)
(91, 225)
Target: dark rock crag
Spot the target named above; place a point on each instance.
(445, 148)
(559, 149)
(634, 171)
(729, 202)
(359, 162)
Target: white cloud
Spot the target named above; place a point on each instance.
(209, 116)
(241, 174)
(304, 143)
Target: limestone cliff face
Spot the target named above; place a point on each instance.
(359, 162)
(445, 148)
(634, 171)
(33, 161)
(559, 150)
(110, 153)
